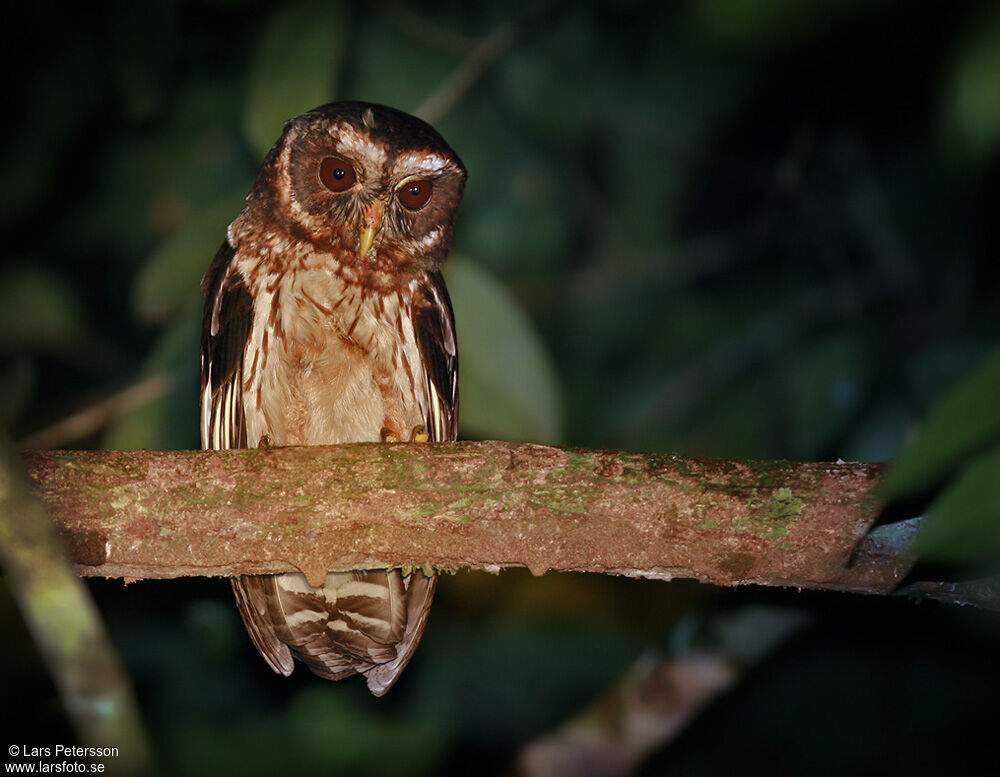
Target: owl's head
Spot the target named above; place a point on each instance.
(375, 187)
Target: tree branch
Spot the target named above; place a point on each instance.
(96, 416)
(476, 62)
(486, 505)
(658, 697)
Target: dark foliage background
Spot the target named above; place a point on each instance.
(726, 228)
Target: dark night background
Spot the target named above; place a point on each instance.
(717, 227)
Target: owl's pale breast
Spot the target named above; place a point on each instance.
(330, 362)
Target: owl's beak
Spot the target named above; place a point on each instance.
(369, 225)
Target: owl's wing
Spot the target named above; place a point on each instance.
(226, 323)
(434, 326)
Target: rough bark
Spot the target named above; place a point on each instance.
(486, 505)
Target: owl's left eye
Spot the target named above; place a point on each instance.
(414, 194)
(336, 174)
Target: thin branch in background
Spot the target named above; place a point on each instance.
(95, 417)
(95, 690)
(477, 61)
(427, 32)
(657, 698)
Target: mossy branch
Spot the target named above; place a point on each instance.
(482, 505)
(485, 505)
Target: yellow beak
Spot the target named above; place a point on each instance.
(369, 226)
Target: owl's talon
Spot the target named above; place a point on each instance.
(419, 434)
(265, 441)
(388, 435)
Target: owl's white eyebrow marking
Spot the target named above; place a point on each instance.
(351, 142)
(421, 162)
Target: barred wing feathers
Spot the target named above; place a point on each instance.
(226, 322)
(434, 324)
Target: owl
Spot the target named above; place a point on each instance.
(326, 320)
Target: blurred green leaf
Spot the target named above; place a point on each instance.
(171, 276)
(508, 388)
(294, 69)
(973, 97)
(39, 309)
(963, 524)
(965, 420)
(765, 22)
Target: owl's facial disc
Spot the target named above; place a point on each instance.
(380, 200)
(368, 226)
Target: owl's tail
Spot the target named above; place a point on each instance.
(356, 623)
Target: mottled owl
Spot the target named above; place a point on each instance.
(326, 320)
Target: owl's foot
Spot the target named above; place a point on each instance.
(419, 434)
(388, 435)
(265, 442)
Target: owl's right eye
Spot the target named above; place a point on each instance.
(336, 174)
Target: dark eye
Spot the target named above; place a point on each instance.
(414, 194)
(336, 174)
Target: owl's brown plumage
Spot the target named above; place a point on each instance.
(326, 320)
